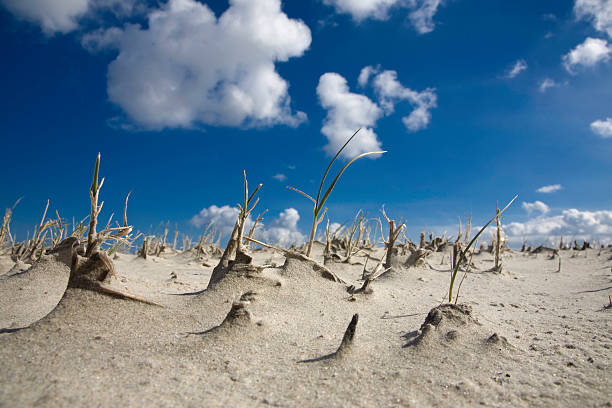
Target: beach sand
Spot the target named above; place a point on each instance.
(529, 336)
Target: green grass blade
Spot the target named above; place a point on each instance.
(321, 203)
(332, 162)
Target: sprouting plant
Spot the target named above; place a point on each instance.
(460, 256)
(319, 203)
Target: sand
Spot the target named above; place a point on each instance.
(526, 337)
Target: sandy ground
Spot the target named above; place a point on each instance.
(553, 345)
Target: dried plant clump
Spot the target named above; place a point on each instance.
(394, 232)
(319, 209)
(91, 267)
(235, 247)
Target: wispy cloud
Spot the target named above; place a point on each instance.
(549, 189)
(546, 84)
(518, 67)
(64, 16)
(421, 14)
(603, 128)
(280, 177)
(588, 54)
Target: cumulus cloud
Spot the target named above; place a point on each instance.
(222, 218)
(599, 12)
(546, 84)
(280, 177)
(188, 67)
(549, 189)
(536, 206)
(518, 67)
(282, 231)
(421, 14)
(390, 92)
(62, 16)
(572, 223)
(588, 54)
(347, 112)
(603, 128)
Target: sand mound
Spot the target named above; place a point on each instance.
(450, 325)
(29, 296)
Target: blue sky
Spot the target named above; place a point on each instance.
(474, 102)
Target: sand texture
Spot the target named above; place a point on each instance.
(527, 337)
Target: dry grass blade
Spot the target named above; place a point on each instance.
(302, 193)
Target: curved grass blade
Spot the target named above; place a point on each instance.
(332, 162)
(321, 203)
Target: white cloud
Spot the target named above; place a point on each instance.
(363, 9)
(222, 218)
(280, 177)
(536, 206)
(546, 84)
(549, 189)
(62, 16)
(599, 12)
(347, 112)
(572, 224)
(52, 16)
(188, 67)
(365, 74)
(390, 91)
(602, 128)
(518, 67)
(283, 230)
(102, 39)
(588, 54)
(421, 15)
